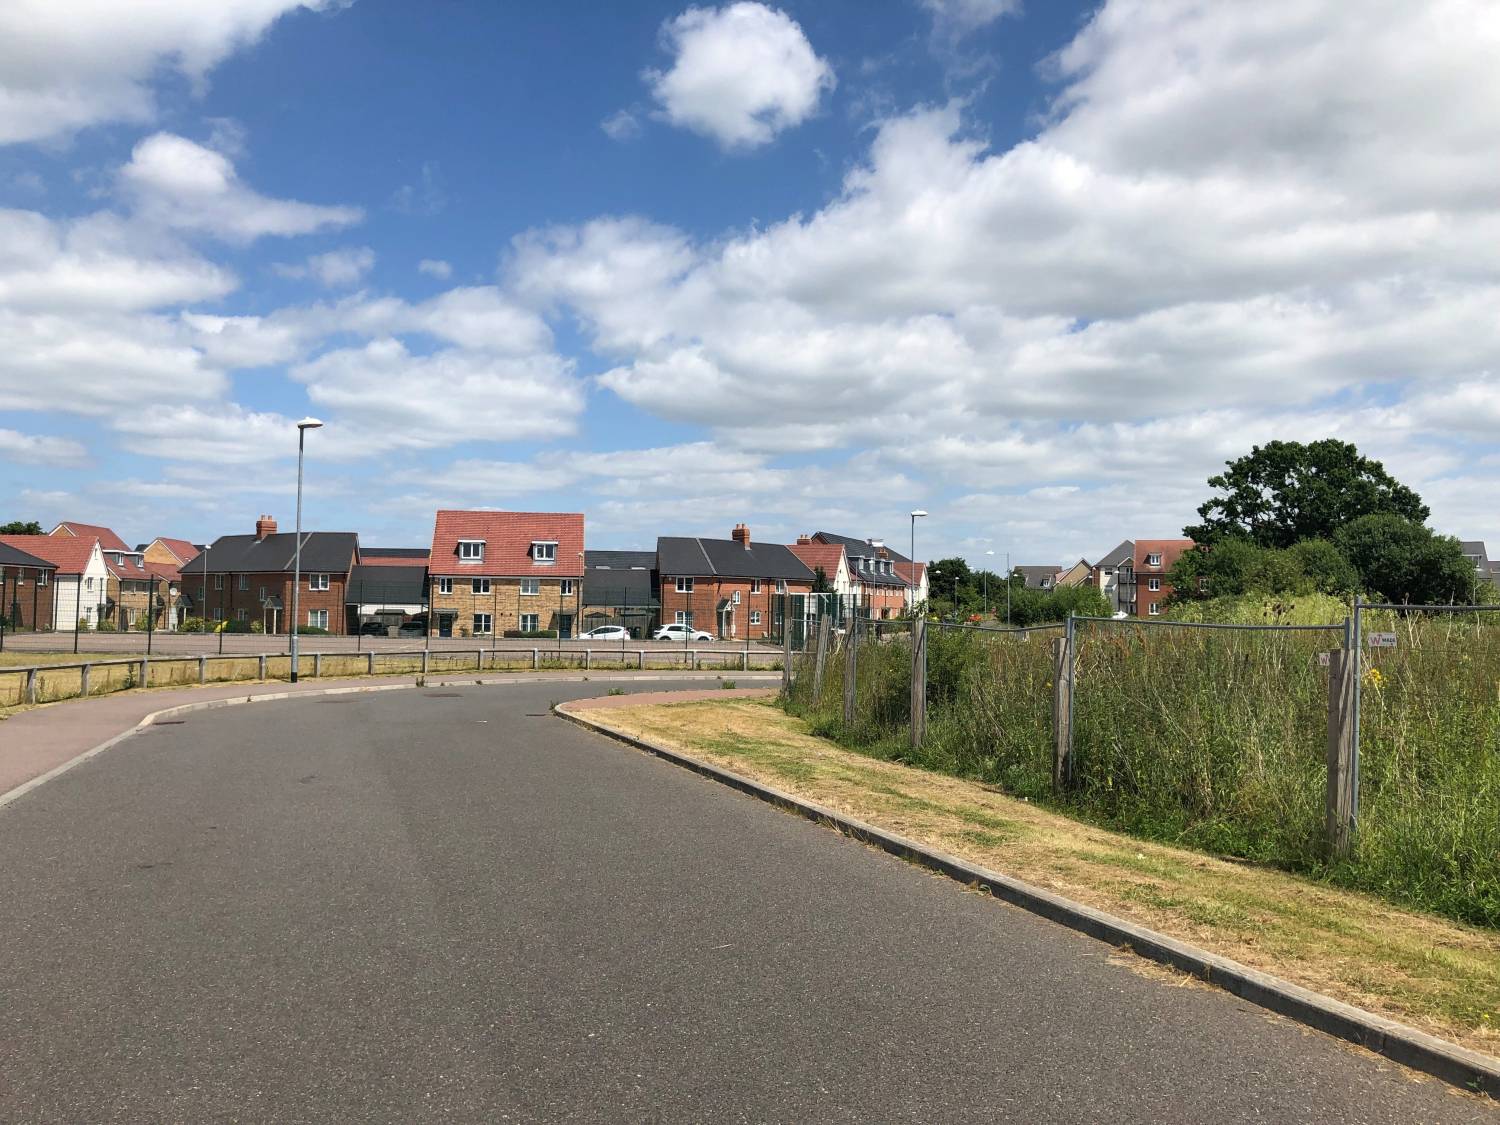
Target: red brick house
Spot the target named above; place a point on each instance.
(728, 587)
(249, 578)
(26, 587)
(80, 580)
(498, 573)
(1153, 558)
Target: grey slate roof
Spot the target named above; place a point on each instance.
(402, 585)
(1035, 574)
(620, 560)
(393, 552)
(14, 556)
(619, 578)
(322, 551)
(1124, 553)
(724, 558)
(853, 546)
(857, 549)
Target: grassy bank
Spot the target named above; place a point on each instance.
(1217, 740)
(1429, 972)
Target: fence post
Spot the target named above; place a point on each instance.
(745, 659)
(479, 660)
(820, 664)
(424, 662)
(85, 680)
(370, 657)
(786, 651)
(851, 669)
(1343, 670)
(317, 664)
(1354, 642)
(262, 665)
(918, 681)
(145, 672)
(588, 659)
(535, 659)
(1062, 711)
(641, 659)
(31, 685)
(202, 670)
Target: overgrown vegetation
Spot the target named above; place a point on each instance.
(1217, 739)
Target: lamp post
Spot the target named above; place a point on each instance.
(988, 554)
(917, 513)
(302, 428)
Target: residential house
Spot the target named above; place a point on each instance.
(1038, 577)
(80, 582)
(1075, 575)
(728, 586)
(108, 540)
(26, 589)
(1484, 569)
(1114, 577)
(506, 572)
(622, 588)
(387, 588)
(915, 577)
(833, 561)
(249, 578)
(142, 592)
(1153, 558)
(169, 552)
(880, 590)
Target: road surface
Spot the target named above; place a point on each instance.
(447, 905)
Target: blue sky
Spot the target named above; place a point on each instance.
(1039, 269)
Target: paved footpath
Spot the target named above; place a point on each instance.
(449, 905)
(35, 742)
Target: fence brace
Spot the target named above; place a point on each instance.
(825, 626)
(918, 681)
(1343, 774)
(851, 670)
(1063, 665)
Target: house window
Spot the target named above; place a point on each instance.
(481, 624)
(218, 581)
(685, 617)
(755, 585)
(471, 550)
(567, 588)
(445, 585)
(218, 613)
(480, 585)
(1153, 560)
(530, 622)
(543, 551)
(781, 585)
(318, 618)
(262, 593)
(755, 617)
(531, 587)
(1153, 584)
(1153, 610)
(42, 578)
(88, 583)
(317, 581)
(242, 615)
(684, 585)
(244, 582)
(1046, 583)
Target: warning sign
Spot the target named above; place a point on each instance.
(1382, 640)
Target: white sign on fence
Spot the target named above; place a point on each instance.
(1382, 640)
(1324, 658)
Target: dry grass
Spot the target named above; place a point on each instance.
(12, 659)
(1434, 974)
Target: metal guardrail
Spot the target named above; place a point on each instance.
(684, 657)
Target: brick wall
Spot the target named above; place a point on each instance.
(19, 593)
(707, 595)
(505, 604)
(277, 584)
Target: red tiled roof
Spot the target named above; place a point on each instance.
(814, 555)
(903, 571)
(69, 554)
(107, 538)
(184, 550)
(508, 537)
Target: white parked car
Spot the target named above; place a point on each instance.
(680, 633)
(606, 633)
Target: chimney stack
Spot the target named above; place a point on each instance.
(741, 535)
(804, 540)
(264, 526)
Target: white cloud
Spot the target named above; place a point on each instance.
(337, 269)
(435, 267)
(740, 74)
(178, 184)
(41, 449)
(953, 19)
(622, 125)
(67, 64)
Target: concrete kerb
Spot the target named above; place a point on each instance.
(355, 689)
(1398, 1042)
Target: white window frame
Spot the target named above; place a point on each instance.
(471, 550)
(1153, 610)
(544, 552)
(755, 585)
(218, 581)
(218, 613)
(755, 617)
(684, 585)
(534, 618)
(1153, 584)
(685, 617)
(43, 578)
(317, 618)
(317, 581)
(245, 582)
(484, 625)
(479, 585)
(88, 583)
(531, 587)
(781, 585)
(242, 615)
(566, 589)
(445, 585)
(1153, 560)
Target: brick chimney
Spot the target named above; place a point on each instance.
(804, 540)
(741, 535)
(264, 526)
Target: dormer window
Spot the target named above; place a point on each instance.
(544, 551)
(1153, 560)
(471, 550)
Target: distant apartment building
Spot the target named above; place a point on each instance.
(1114, 577)
(26, 589)
(80, 580)
(249, 578)
(879, 577)
(493, 573)
(728, 587)
(1153, 559)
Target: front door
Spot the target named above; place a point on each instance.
(445, 624)
(564, 625)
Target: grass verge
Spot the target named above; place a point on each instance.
(1434, 974)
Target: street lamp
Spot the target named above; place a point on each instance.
(302, 428)
(990, 554)
(917, 513)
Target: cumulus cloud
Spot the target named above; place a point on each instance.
(178, 184)
(41, 449)
(740, 74)
(65, 64)
(435, 267)
(953, 19)
(622, 125)
(337, 269)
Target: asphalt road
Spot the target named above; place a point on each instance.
(449, 906)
